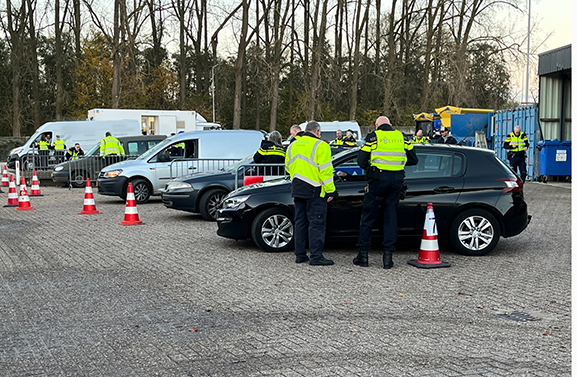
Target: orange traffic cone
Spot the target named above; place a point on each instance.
(12, 194)
(131, 213)
(429, 253)
(5, 181)
(35, 189)
(23, 199)
(89, 206)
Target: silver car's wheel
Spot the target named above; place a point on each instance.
(273, 230)
(475, 232)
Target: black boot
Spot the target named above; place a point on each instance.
(387, 260)
(362, 259)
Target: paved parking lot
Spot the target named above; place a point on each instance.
(85, 296)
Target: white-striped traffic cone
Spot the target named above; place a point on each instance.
(12, 194)
(24, 200)
(130, 213)
(429, 253)
(35, 188)
(5, 182)
(89, 206)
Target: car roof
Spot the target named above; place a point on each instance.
(141, 137)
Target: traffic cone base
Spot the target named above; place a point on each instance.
(12, 195)
(429, 252)
(89, 205)
(130, 213)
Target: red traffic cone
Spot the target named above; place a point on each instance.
(23, 184)
(4, 182)
(35, 188)
(89, 206)
(131, 213)
(12, 194)
(23, 199)
(429, 253)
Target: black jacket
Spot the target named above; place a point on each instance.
(450, 140)
(364, 159)
(262, 156)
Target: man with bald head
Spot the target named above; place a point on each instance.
(383, 157)
(517, 143)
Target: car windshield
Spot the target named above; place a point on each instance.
(94, 150)
(236, 165)
(158, 147)
(344, 152)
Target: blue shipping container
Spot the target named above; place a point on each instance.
(464, 126)
(504, 121)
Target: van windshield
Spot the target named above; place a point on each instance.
(158, 147)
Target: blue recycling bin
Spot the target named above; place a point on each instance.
(554, 157)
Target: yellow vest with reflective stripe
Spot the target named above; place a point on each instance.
(422, 140)
(43, 145)
(517, 142)
(338, 142)
(388, 151)
(110, 145)
(309, 159)
(272, 151)
(59, 144)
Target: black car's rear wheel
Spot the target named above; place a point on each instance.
(79, 178)
(273, 230)
(475, 232)
(209, 203)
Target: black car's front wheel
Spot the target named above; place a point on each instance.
(142, 190)
(273, 230)
(475, 232)
(209, 203)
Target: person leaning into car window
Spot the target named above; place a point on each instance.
(308, 160)
(383, 157)
(271, 151)
(74, 153)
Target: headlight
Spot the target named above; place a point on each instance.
(111, 173)
(178, 185)
(234, 203)
(17, 151)
(58, 168)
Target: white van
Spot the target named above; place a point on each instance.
(86, 133)
(329, 129)
(183, 154)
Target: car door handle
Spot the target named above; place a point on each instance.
(442, 189)
(191, 167)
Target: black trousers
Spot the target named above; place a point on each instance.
(310, 222)
(386, 191)
(518, 163)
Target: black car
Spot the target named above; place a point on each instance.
(476, 199)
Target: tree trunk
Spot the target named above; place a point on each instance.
(34, 61)
(116, 53)
(58, 58)
(359, 26)
(16, 31)
(238, 65)
(318, 44)
(388, 89)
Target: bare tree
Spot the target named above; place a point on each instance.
(319, 28)
(359, 26)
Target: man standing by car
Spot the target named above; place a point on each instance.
(517, 144)
(339, 141)
(383, 157)
(74, 152)
(308, 160)
(111, 149)
(445, 137)
(419, 138)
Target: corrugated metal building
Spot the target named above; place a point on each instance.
(555, 94)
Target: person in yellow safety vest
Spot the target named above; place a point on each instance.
(43, 146)
(517, 143)
(339, 141)
(419, 138)
(308, 161)
(74, 152)
(111, 149)
(59, 147)
(383, 157)
(295, 132)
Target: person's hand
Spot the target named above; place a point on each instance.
(329, 199)
(342, 173)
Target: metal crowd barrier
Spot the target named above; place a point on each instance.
(266, 171)
(181, 167)
(90, 167)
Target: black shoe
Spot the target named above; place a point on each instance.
(321, 262)
(387, 260)
(362, 259)
(302, 259)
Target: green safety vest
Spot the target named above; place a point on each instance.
(309, 159)
(43, 145)
(388, 151)
(516, 142)
(59, 144)
(422, 140)
(111, 146)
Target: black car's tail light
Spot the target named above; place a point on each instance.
(512, 184)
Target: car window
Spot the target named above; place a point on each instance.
(131, 148)
(436, 164)
(350, 166)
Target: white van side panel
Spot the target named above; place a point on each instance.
(165, 120)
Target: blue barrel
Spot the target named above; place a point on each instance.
(554, 157)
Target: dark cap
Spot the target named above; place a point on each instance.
(443, 129)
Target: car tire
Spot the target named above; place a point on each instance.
(273, 230)
(27, 164)
(209, 203)
(475, 232)
(79, 179)
(142, 190)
